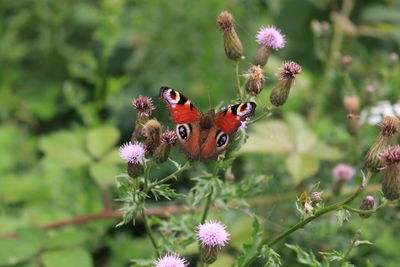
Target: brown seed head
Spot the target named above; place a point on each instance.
(152, 132)
(225, 21)
(255, 80)
(389, 126)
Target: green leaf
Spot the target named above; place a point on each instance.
(304, 257)
(13, 251)
(63, 239)
(104, 173)
(325, 152)
(65, 148)
(100, 140)
(273, 259)
(67, 258)
(301, 166)
(332, 256)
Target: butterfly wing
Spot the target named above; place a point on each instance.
(186, 117)
(226, 124)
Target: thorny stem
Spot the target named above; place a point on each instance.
(236, 68)
(356, 235)
(319, 213)
(150, 232)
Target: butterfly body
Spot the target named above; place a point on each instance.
(204, 136)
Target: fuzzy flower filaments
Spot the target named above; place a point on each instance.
(133, 155)
(269, 38)
(144, 106)
(388, 128)
(287, 76)
(391, 179)
(212, 237)
(170, 260)
(168, 140)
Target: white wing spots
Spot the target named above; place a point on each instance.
(171, 96)
(244, 111)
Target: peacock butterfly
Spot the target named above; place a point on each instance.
(204, 136)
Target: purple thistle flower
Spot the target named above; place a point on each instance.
(289, 70)
(170, 260)
(243, 123)
(212, 234)
(132, 153)
(270, 37)
(343, 172)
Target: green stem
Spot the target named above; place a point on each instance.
(236, 68)
(267, 112)
(185, 167)
(367, 212)
(207, 207)
(356, 236)
(150, 232)
(319, 213)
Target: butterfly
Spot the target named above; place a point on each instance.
(203, 136)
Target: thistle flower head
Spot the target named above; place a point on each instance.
(390, 155)
(346, 61)
(389, 126)
(169, 138)
(351, 104)
(255, 80)
(316, 198)
(143, 104)
(394, 57)
(367, 203)
(132, 153)
(225, 21)
(212, 234)
(289, 70)
(343, 172)
(170, 260)
(270, 37)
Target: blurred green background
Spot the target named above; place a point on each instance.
(68, 73)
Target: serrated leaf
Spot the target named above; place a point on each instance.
(273, 259)
(251, 250)
(304, 257)
(332, 256)
(67, 258)
(100, 140)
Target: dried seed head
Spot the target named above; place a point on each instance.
(225, 21)
(367, 204)
(255, 80)
(389, 126)
(144, 105)
(152, 132)
(351, 104)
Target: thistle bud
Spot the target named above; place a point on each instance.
(280, 93)
(168, 139)
(212, 237)
(388, 128)
(152, 132)
(316, 198)
(346, 61)
(370, 93)
(341, 173)
(351, 104)
(269, 38)
(367, 204)
(391, 178)
(394, 58)
(144, 106)
(352, 124)
(255, 80)
(232, 45)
